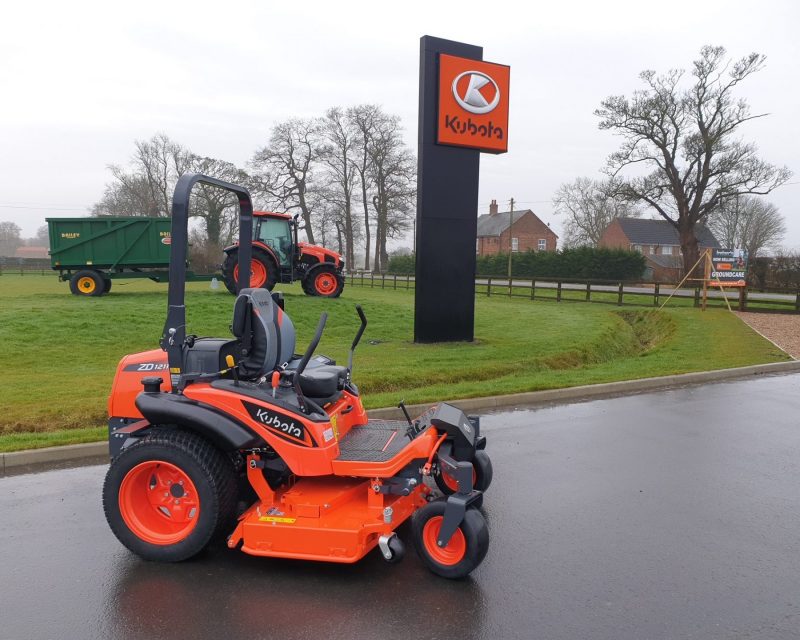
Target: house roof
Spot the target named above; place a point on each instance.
(31, 252)
(494, 224)
(666, 262)
(661, 232)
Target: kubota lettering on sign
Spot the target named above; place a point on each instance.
(473, 104)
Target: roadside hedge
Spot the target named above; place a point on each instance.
(580, 263)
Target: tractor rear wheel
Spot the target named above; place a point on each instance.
(263, 271)
(323, 281)
(168, 495)
(87, 282)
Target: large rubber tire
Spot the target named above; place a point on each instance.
(87, 282)
(263, 270)
(323, 281)
(147, 482)
(106, 284)
(482, 474)
(466, 549)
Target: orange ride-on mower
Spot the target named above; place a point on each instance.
(245, 439)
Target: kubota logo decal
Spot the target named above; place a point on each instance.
(282, 425)
(473, 94)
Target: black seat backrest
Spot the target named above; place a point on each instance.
(266, 333)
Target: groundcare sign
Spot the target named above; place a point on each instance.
(728, 267)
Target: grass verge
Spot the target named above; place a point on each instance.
(60, 351)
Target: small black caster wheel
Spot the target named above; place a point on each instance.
(392, 548)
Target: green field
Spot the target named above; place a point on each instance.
(59, 352)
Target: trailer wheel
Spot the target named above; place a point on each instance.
(168, 495)
(263, 271)
(107, 284)
(324, 282)
(87, 283)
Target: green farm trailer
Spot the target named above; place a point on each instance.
(91, 252)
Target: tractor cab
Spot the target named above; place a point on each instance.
(279, 232)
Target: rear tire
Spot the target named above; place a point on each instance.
(323, 281)
(168, 495)
(106, 284)
(263, 271)
(87, 282)
(464, 552)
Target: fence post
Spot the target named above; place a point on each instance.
(588, 292)
(383, 281)
(533, 289)
(743, 300)
(489, 287)
(510, 287)
(619, 297)
(372, 279)
(362, 278)
(395, 281)
(697, 296)
(655, 296)
(408, 281)
(558, 291)
(797, 302)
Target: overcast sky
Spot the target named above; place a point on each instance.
(82, 80)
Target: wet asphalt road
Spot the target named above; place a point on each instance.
(666, 515)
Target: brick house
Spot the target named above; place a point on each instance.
(528, 232)
(658, 241)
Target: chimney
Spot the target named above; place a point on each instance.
(493, 208)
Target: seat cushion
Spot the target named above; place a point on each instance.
(323, 381)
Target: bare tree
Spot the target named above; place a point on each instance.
(218, 208)
(337, 152)
(748, 223)
(41, 239)
(284, 170)
(144, 188)
(589, 206)
(10, 239)
(363, 118)
(392, 172)
(688, 140)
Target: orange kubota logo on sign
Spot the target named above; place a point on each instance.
(473, 104)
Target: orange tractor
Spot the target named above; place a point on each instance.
(277, 256)
(245, 439)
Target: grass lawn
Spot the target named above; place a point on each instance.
(59, 352)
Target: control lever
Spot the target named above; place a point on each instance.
(233, 369)
(276, 380)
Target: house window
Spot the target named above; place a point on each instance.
(637, 247)
(666, 251)
(515, 244)
(652, 249)
(477, 246)
(542, 244)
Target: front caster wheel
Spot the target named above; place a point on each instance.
(392, 548)
(482, 474)
(463, 553)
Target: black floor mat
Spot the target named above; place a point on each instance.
(376, 441)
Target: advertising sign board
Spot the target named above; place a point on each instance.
(728, 267)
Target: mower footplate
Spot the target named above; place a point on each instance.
(376, 441)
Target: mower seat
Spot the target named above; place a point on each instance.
(266, 334)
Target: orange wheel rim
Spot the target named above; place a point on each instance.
(325, 283)
(87, 284)
(258, 274)
(159, 502)
(452, 483)
(448, 555)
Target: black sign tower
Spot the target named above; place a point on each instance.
(447, 206)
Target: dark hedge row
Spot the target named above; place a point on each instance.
(581, 263)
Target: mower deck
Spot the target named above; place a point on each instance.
(324, 518)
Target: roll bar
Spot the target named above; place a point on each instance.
(174, 332)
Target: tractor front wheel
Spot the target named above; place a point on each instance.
(263, 271)
(482, 474)
(323, 281)
(166, 496)
(87, 283)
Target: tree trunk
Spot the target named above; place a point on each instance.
(306, 215)
(366, 221)
(691, 252)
